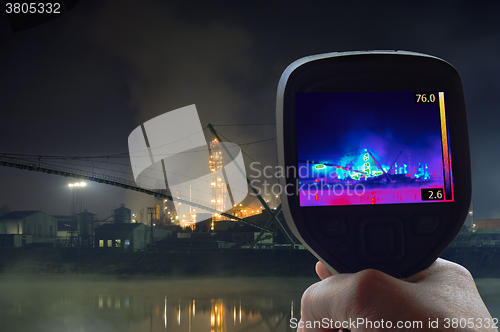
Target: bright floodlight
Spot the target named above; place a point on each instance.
(77, 184)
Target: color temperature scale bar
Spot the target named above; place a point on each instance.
(448, 195)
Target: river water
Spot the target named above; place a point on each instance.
(107, 304)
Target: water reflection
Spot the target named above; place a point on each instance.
(191, 305)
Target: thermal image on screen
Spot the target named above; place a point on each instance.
(372, 148)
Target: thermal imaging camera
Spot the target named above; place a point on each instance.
(374, 150)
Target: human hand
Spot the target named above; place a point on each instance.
(443, 297)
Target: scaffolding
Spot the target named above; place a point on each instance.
(217, 184)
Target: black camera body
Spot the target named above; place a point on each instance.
(374, 150)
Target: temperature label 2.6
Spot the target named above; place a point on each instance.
(432, 194)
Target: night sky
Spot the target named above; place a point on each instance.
(78, 85)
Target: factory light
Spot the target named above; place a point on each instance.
(77, 184)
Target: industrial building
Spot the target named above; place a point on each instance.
(487, 223)
(127, 236)
(124, 236)
(66, 227)
(122, 215)
(76, 229)
(15, 240)
(42, 226)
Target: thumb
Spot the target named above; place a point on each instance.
(322, 271)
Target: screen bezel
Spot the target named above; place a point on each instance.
(376, 71)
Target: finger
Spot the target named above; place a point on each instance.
(322, 271)
(314, 326)
(345, 297)
(301, 326)
(304, 326)
(321, 301)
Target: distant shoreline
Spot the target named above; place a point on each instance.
(481, 262)
(213, 262)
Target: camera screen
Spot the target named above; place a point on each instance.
(372, 148)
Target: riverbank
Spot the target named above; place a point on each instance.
(165, 263)
(482, 262)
